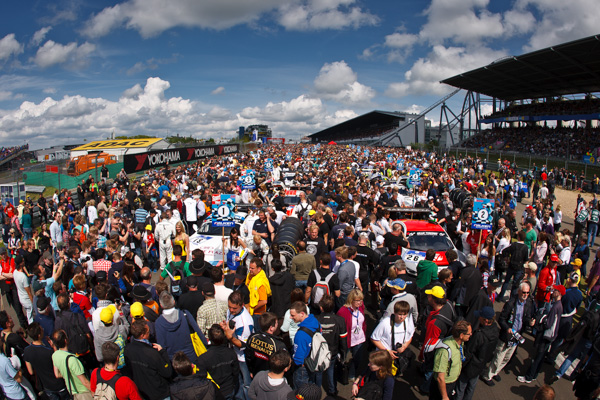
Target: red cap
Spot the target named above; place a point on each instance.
(554, 258)
(561, 289)
(529, 208)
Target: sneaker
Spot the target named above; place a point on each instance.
(522, 379)
(497, 378)
(489, 383)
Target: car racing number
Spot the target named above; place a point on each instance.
(414, 256)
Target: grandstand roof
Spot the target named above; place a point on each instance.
(568, 68)
(376, 117)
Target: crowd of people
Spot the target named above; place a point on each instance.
(556, 107)
(6, 152)
(115, 300)
(551, 142)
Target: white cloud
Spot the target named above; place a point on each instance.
(441, 63)
(324, 14)
(219, 90)
(300, 109)
(400, 40)
(5, 95)
(338, 82)
(148, 110)
(9, 46)
(152, 17)
(560, 21)
(49, 90)
(52, 53)
(463, 21)
(40, 35)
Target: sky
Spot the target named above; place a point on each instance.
(78, 70)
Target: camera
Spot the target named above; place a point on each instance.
(517, 338)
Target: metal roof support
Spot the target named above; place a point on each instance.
(471, 111)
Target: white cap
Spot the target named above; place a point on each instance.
(379, 239)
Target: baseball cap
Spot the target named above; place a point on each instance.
(554, 258)
(241, 273)
(124, 250)
(531, 266)
(493, 281)
(136, 310)
(561, 289)
(379, 239)
(192, 281)
(42, 303)
(208, 288)
(397, 283)
(486, 312)
(101, 276)
(577, 262)
(107, 314)
(436, 291)
(529, 207)
(148, 227)
(574, 277)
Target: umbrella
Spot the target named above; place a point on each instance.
(332, 142)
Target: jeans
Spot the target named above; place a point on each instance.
(592, 232)
(517, 277)
(582, 348)
(302, 376)
(356, 359)
(58, 395)
(329, 375)
(465, 388)
(245, 379)
(542, 348)
(301, 284)
(27, 233)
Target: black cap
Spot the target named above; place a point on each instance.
(241, 273)
(42, 303)
(208, 288)
(101, 276)
(192, 281)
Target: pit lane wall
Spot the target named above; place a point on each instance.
(159, 158)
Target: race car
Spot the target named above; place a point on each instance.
(423, 235)
(208, 238)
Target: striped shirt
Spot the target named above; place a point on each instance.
(140, 215)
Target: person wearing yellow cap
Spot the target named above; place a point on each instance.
(438, 325)
(111, 329)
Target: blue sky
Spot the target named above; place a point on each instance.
(72, 70)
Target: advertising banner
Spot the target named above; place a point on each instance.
(160, 158)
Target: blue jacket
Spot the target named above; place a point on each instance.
(302, 341)
(175, 336)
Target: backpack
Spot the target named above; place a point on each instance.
(78, 342)
(177, 285)
(319, 358)
(105, 390)
(321, 288)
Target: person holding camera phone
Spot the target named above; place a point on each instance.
(515, 315)
(394, 334)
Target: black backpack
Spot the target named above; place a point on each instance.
(78, 342)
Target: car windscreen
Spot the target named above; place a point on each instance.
(208, 229)
(291, 200)
(423, 241)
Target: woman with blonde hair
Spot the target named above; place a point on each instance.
(557, 218)
(378, 373)
(182, 239)
(353, 313)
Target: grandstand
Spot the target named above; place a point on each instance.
(553, 84)
(373, 125)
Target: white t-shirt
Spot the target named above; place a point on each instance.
(21, 282)
(402, 332)
(222, 293)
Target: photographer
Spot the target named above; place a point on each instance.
(394, 334)
(515, 315)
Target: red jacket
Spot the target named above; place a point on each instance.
(546, 279)
(345, 313)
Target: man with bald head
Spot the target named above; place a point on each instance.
(146, 281)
